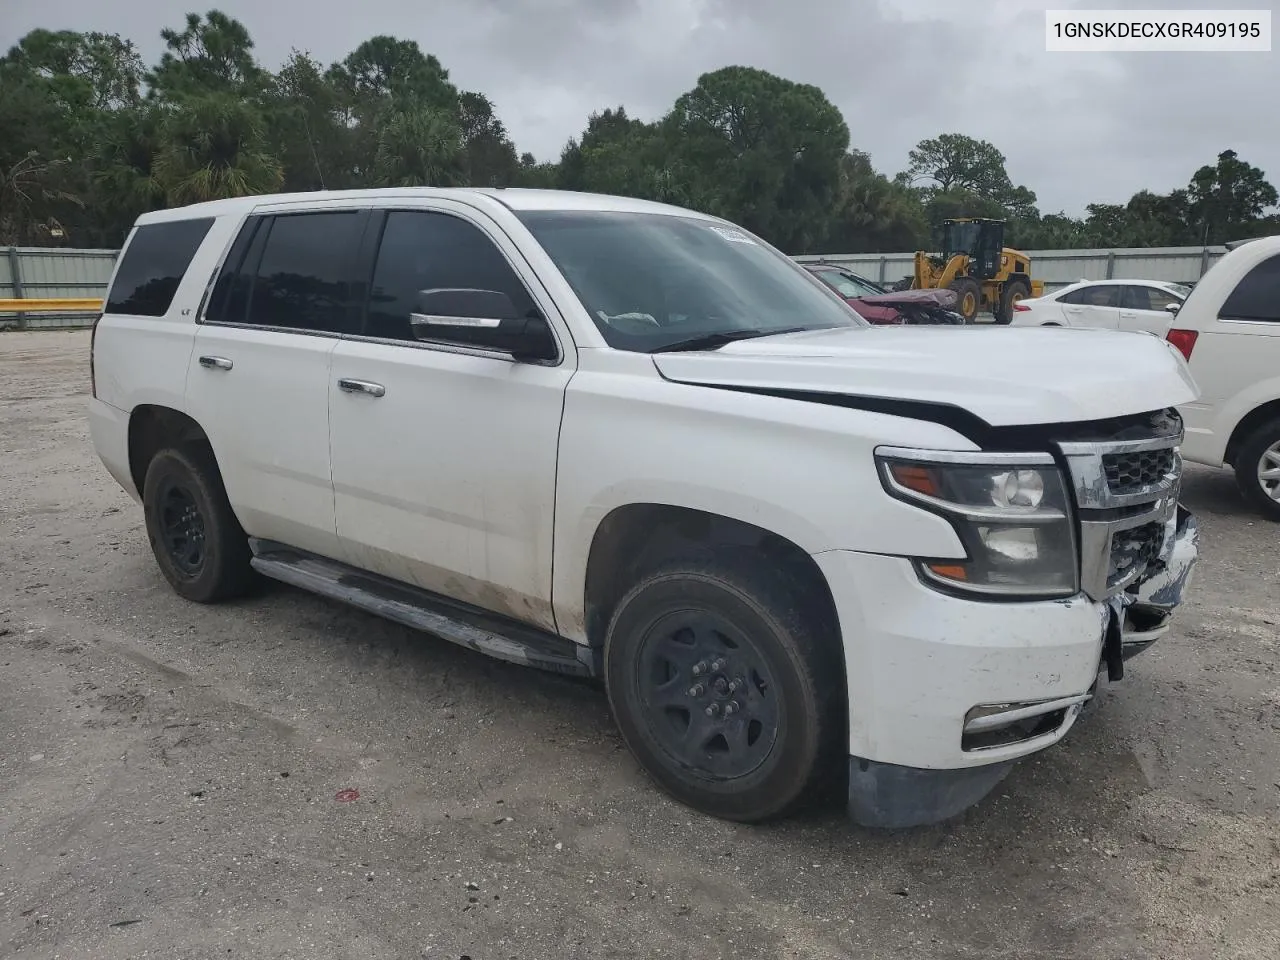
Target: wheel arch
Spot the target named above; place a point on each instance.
(152, 428)
(1019, 277)
(1250, 422)
(637, 536)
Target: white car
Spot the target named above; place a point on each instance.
(1229, 332)
(623, 440)
(1134, 305)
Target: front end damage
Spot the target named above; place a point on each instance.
(1158, 594)
(1138, 548)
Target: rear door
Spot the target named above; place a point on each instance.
(444, 455)
(259, 375)
(1097, 305)
(1142, 308)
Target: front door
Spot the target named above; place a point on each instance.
(444, 456)
(1143, 309)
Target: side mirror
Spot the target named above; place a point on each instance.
(1172, 308)
(482, 318)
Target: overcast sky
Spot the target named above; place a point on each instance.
(1075, 128)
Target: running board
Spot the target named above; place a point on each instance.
(458, 623)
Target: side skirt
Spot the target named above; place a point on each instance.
(456, 622)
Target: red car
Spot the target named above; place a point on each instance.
(882, 306)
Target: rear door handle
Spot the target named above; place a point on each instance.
(215, 363)
(361, 386)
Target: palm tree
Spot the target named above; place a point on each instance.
(419, 146)
(214, 146)
(123, 163)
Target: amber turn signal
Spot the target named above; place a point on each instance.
(914, 477)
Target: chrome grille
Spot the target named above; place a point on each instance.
(1126, 494)
(1135, 471)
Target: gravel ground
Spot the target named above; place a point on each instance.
(171, 776)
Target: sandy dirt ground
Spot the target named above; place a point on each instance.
(168, 775)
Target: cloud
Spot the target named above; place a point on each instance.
(1076, 128)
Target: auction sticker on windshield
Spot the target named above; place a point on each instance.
(734, 236)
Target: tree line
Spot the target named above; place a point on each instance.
(93, 136)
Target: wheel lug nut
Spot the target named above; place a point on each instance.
(697, 690)
(712, 710)
(700, 668)
(730, 708)
(733, 685)
(717, 666)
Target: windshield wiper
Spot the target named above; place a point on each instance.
(712, 341)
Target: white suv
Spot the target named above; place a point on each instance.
(623, 440)
(1229, 332)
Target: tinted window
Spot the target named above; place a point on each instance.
(426, 251)
(1147, 298)
(1257, 296)
(1094, 296)
(230, 296)
(303, 279)
(154, 264)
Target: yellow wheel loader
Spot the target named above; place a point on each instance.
(975, 263)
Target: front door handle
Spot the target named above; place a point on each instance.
(215, 363)
(361, 386)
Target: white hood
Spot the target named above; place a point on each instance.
(1007, 376)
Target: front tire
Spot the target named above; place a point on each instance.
(726, 686)
(1257, 466)
(198, 543)
(1013, 292)
(969, 297)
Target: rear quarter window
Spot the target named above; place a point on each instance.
(153, 266)
(1257, 295)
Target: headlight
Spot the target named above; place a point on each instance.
(1010, 511)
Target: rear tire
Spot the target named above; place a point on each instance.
(1258, 456)
(970, 297)
(198, 543)
(700, 634)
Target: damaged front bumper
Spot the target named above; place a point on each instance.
(978, 702)
(1140, 616)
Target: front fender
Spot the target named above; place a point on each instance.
(803, 471)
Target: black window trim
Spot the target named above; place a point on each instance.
(372, 243)
(267, 216)
(240, 226)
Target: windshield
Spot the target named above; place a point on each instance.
(847, 284)
(1178, 290)
(653, 280)
(960, 238)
